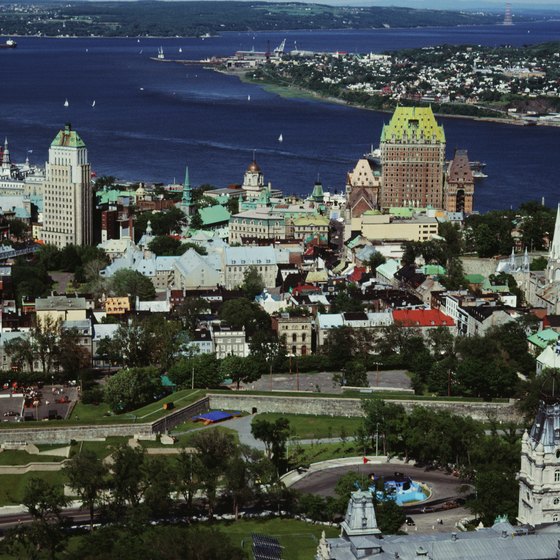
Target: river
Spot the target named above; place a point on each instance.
(151, 119)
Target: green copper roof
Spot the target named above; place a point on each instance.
(68, 138)
(212, 215)
(474, 278)
(543, 338)
(408, 123)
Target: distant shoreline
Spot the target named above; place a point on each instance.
(297, 92)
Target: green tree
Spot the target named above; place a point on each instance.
(187, 476)
(21, 351)
(87, 476)
(127, 481)
(163, 245)
(132, 388)
(214, 448)
(253, 283)
(203, 370)
(274, 435)
(45, 503)
(158, 482)
(241, 313)
(240, 370)
(189, 312)
(127, 282)
(376, 259)
(195, 221)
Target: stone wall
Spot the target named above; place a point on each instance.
(180, 415)
(352, 407)
(64, 434)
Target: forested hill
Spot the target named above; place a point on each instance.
(152, 18)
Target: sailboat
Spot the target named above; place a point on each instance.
(280, 138)
(180, 49)
(141, 51)
(66, 104)
(248, 98)
(93, 104)
(160, 54)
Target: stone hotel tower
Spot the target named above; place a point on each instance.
(412, 159)
(67, 210)
(539, 476)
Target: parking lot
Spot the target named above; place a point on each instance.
(34, 403)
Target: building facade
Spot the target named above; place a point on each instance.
(539, 476)
(67, 214)
(459, 184)
(413, 159)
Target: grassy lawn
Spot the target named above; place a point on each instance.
(185, 440)
(101, 414)
(312, 427)
(298, 538)
(12, 457)
(12, 486)
(306, 454)
(100, 448)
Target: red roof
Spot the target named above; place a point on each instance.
(306, 289)
(422, 318)
(356, 275)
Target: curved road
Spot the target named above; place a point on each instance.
(444, 486)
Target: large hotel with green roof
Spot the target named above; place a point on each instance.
(413, 159)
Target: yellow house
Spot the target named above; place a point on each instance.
(117, 305)
(62, 307)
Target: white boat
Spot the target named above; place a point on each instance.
(180, 49)
(280, 138)
(66, 104)
(248, 98)
(141, 51)
(160, 54)
(93, 104)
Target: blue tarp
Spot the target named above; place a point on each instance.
(216, 416)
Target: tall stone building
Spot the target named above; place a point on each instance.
(67, 214)
(459, 184)
(539, 477)
(413, 159)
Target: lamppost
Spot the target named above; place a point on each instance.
(377, 364)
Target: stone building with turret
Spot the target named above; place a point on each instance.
(361, 538)
(539, 476)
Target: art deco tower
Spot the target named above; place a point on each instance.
(67, 214)
(412, 159)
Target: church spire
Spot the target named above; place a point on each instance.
(553, 267)
(187, 192)
(6, 162)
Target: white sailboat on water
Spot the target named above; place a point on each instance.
(180, 49)
(248, 98)
(280, 138)
(93, 104)
(66, 104)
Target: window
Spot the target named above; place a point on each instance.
(557, 475)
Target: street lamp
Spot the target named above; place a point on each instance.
(377, 364)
